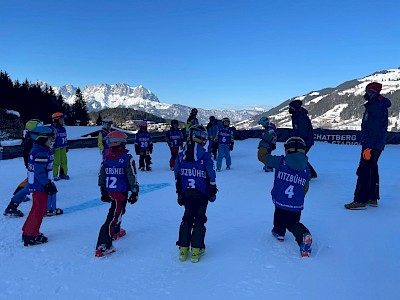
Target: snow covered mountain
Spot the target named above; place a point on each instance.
(340, 107)
(103, 96)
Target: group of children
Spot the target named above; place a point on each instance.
(194, 173)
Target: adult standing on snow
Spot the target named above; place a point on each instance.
(373, 139)
(302, 127)
(192, 119)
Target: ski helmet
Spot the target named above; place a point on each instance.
(142, 124)
(174, 123)
(295, 144)
(106, 121)
(116, 138)
(42, 132)
(226, 122)
(32, 123)
(198, 134)
(58, 115)
(264, 121)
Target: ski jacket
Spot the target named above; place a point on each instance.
(292, 176)
(375, 122)
(268, 138)
(40, 167)
(61, 140)
(194, 169)
(190, 122)
(225, 136)
(143, 141)
(302, 127)
(212, 130)
(27, 147)
(118, 172)
(174, 138)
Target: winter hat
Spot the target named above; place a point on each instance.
(296, 104)
(375, 87)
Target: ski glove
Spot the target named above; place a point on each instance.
(105, 197)
(181, 201)
(367, 154)
(231, 147)
(212, 198)
(133, 198)
(50, 188)
(213, 190)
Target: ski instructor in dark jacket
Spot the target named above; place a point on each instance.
(373, 139)
(302, 127)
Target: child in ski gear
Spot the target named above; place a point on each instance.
(174, 138)
(195, 186)
(268, 141)
(302, 127)
(116, 178)
(143, 146)
(52, 209)
(40, 183)
(192, 119)
(212, 129)
(225, 141)
(60, 147)
(373, 139)
(292, 176)
(101, 139)
(22, 191)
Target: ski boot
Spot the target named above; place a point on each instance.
(102, 250)
(119, 234)
(183, 253)
(196, 254)
(305, 246)
(65, 177)
(32, 241)
(148, 168)
(13, 211)
(280, 238)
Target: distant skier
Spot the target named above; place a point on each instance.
(268, 141)
(101, 139)
(174, 138)
(302, 127)
(60, 148)
(292, 176)
(373, 139)
(22, 191)
(116, 178)
(143, 146)
(192, 119)
(212, 129)
(39, 178)
(195, 186)
(225, 142)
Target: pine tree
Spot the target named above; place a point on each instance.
(79, 109)
(99, 120)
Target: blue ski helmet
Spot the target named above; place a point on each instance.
(42, 132)
(264, 121)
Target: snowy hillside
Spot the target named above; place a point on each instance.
(355, 253)
(340, 107)
(103, 96)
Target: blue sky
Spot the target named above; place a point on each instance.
(203, 53)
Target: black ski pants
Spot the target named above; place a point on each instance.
(290, 220)
(313, 173)
(192, 230)
(367, 187)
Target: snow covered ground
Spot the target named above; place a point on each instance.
(355, 253)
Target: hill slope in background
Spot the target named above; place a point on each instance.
(340, 107)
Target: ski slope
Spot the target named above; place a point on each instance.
(355, 253)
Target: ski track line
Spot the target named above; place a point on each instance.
(144, 189)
